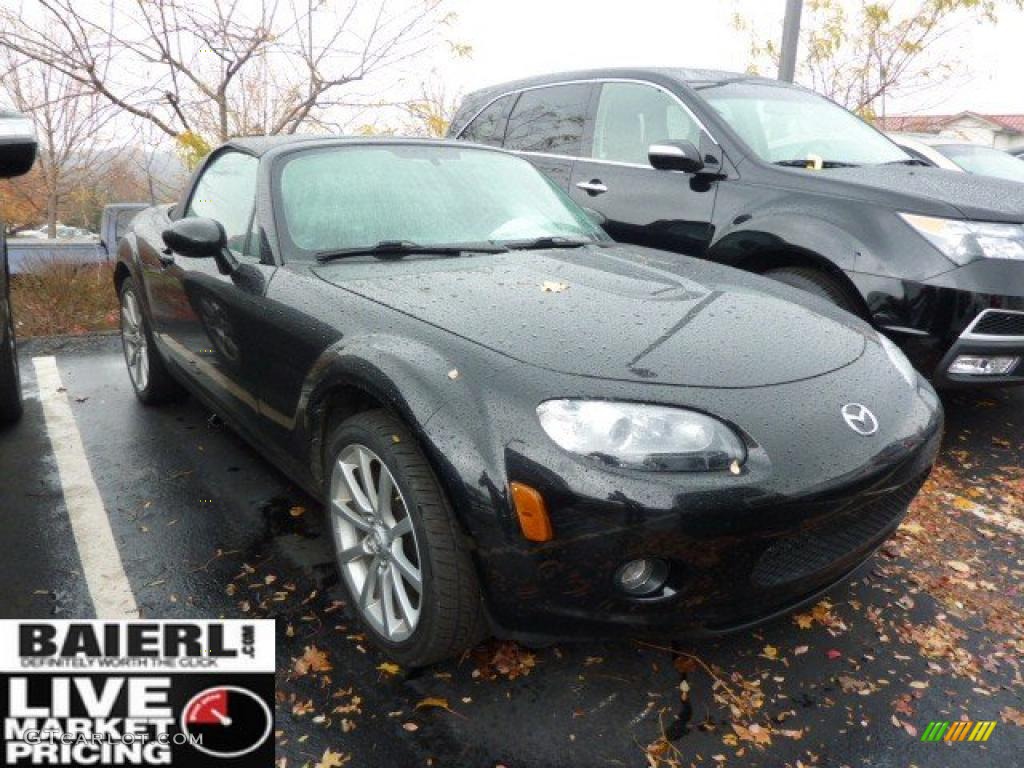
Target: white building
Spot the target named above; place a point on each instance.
(999, 131)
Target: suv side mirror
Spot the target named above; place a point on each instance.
(17, 144)
(675, 156)
(199, 238)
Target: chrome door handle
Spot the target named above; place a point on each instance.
(592, 187)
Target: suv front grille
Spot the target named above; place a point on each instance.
(809, 552)
(996, 323)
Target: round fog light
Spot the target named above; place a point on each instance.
(642, 577)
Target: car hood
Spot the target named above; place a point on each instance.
(980, 198)
(618, 313)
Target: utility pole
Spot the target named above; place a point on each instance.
(790, 40)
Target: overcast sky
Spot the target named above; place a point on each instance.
(525, 37)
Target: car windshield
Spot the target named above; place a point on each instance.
(984, 161)
(357, 196)
(782, 124)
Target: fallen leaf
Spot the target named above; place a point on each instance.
(410, 727)
(453, 374)
(958, 566)
(800, 650)
(312, 660)
(684, 664)
(297, 511)
(832, 653)
(433, 702)
(332, 759)
(388, 668)
(1011, 715)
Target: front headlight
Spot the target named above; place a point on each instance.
(649, 437)
(965, 241)
(899, 360)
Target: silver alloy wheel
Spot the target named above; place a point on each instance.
(133, 337)
(376, 546)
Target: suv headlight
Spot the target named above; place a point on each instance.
(965, 241)
(636, 436)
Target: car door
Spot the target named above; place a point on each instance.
(204, 317)
(547, 126)
(661, 209)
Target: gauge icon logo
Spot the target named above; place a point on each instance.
(227, 721)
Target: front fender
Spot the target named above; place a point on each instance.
(848, 235)
(128, 263)
(412, 379)
(755, 236)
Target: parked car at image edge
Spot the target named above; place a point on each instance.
(961, 157)
(775, 179)
(17, 155)
(516, 425)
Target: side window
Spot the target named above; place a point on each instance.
(489, 126)
(631, 117)
(227, 192)
(549, 120)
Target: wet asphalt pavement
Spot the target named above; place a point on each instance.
(206, 528)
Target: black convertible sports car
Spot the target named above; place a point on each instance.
(17, 155)
(517, 425)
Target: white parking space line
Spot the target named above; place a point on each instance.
(109, 588)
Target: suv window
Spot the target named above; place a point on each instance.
(227, 192)
(632, 116)
(549, 120)
(489, 126)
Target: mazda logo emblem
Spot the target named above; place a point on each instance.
(860, 419)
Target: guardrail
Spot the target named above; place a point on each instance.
(24, 254)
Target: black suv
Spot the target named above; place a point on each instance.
(773, 178)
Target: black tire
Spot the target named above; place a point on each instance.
(817, 282)
(10, 375)
(451, 617)
(158, 386)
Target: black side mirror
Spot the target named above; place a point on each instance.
(17, 144)
(199, 238)
(675, 156)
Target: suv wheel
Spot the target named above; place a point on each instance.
(408, 576)
(817, 282)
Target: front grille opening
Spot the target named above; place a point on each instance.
(996, 323)
(809, 552)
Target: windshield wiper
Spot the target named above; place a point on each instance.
(396, 249)
(549, 241)
(810, 164)
(909, 161)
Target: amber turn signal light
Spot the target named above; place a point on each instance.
(532, 512)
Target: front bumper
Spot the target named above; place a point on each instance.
(975, 310)
(732, 563)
